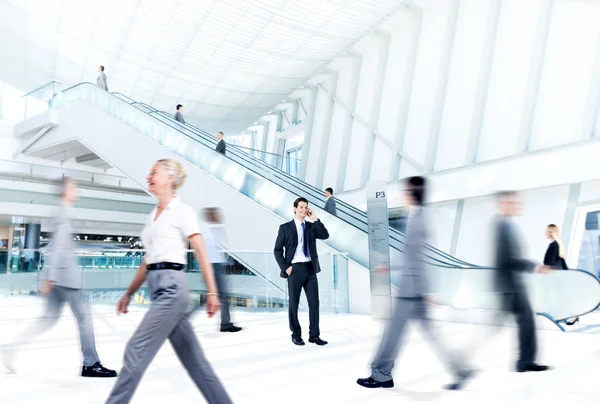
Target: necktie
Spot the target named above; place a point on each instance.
(304, 243)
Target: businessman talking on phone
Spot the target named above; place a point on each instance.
(296, 253)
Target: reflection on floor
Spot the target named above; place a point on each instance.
(260, 365)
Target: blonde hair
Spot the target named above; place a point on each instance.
(555, 233)
(174, 168)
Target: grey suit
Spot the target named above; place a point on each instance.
(179, 117)
(330, 205)
(221, 147)
(410, 305)
(101, 81)
(66, 278)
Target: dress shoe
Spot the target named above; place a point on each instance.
(230, 328)
(97, 370)
(461, 379)
(532, 367)
(371, 383)
(317, 340)
(298, 340)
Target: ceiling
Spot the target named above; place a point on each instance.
(227, 61)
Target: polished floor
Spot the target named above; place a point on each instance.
(261, 366)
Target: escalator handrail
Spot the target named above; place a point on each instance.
(303, 184)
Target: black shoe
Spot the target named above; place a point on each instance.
(371, 383)
(532, 367)
(572, 322)
(97, 370)
(230, 328)
(461, 379)
(317, 340)
(298, 340)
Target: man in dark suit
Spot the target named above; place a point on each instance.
(330, 204)
(179, 114)
(509, 283)
(411, 303)
(221, 146)
(296, 254)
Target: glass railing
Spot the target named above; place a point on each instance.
(107, 273)
(39, 99)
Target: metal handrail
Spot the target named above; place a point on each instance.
(40, 87)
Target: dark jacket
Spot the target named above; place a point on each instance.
(221, 147)
(509, 263)
(552, 259)
(179, 117)
(287, 242)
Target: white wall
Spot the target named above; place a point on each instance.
(465, 80)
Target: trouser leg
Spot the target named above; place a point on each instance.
(295, 282)
(223, 293)
(527, 334)
(389, 348)
(186, 345)
(85, 323)
(311, 289)
(166, 311)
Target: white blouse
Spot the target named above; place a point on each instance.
(166, 239)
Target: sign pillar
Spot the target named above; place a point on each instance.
(379, 250)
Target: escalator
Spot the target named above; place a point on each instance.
(254, 196)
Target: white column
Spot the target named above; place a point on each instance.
(405, 95)
(535, 75)
(308, 134)
(326, 129)
(483, 82)
(349, 122)
(592, 110)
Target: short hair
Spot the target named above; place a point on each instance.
(102, 68)
(330, 190)
(301, 199)
(178, 106)
(501, 195)
(222, 134)
(63, 183)
(416, 187)
(212, 214)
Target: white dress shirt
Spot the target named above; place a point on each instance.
(166, 239)
(210, 233)
(299, 255)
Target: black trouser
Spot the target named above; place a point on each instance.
(221, 281)
(303, 276)
(518, 305)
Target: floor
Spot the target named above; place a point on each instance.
(261, 366)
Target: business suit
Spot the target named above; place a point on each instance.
(179, 117)
(303, 275)
(101, 81)
(509, 284)
(330, 206)
(410, 305)
(221, 147)
(66, 277)
(552, 257)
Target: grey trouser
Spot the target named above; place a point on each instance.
(404, 310)
(221, 281)
(167, 318)
(80, 308)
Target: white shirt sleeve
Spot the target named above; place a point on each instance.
(188, 221)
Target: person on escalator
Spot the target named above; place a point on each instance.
(179, 114)
(101, 81)
(555, 255)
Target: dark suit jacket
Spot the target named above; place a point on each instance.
(330, 205)
(221, 146)
(552, 258)
(287, 242)
(509, 263)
